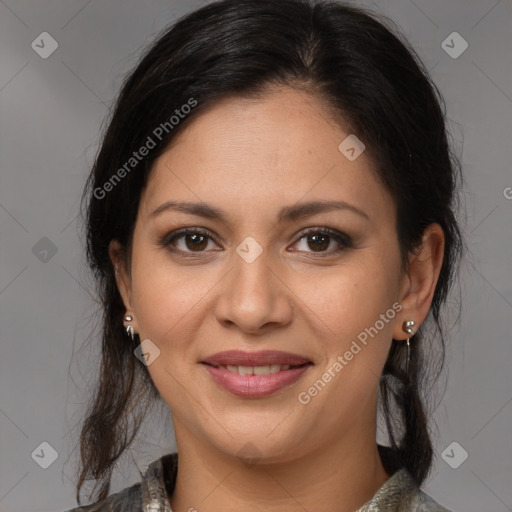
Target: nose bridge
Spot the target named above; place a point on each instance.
(253, 296)
(253, 278)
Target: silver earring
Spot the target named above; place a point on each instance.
(129, 328)
(407, 327)
(130, 331)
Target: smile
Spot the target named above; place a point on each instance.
(263, 373)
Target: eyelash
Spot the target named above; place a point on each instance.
(343, 239)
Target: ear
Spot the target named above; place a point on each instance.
(419, 283)
(123, 278)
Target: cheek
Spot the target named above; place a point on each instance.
(165, 297)
(350, 298)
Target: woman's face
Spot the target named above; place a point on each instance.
(252, 281)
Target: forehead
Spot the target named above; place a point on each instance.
(259, 154)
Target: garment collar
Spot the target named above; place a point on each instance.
(160, 478)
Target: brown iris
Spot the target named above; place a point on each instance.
(199, 242)
(320, 241)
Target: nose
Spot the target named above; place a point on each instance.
(254, 297)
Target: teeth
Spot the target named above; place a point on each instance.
(245, 370)
(261, 370)
(255, 370)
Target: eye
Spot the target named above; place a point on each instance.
(194, 240)
(187, 240)
(320, 239)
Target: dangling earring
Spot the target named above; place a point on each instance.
(407, 327)
(129, 328)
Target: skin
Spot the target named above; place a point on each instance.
(250, 158)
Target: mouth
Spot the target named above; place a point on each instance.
(255, 374)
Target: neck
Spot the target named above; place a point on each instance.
(340, 477)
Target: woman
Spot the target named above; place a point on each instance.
(270, 220)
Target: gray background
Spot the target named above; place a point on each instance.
(51, 113)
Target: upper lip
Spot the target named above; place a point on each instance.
(262, 358)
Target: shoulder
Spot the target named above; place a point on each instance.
(127, 500)
(401, 494)
(422, 502)
(416, 500)
(151, 493)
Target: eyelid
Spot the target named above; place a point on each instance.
(344, 240)
(334, 233)
(173, 235)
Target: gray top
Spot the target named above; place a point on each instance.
(398, 494)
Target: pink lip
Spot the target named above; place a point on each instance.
(262, 358)
(255, 386)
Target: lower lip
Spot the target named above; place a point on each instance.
(255, 386)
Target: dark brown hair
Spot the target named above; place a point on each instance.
(359, 64)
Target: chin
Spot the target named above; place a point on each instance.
(256, 446)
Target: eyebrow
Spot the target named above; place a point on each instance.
(286, 214)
